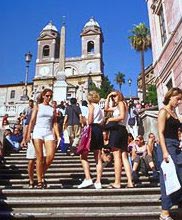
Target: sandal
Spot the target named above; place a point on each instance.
(112, 187)
(44, 184)
(31, 185)
(40, 185)
(165, 217)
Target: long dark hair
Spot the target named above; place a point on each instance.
(41, 99)
(172, 92)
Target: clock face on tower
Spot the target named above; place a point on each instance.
(91, 67)
(44, 71)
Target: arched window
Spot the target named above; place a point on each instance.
(90, 47)
(46, 51)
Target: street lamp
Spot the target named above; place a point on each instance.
(129, 83)
(28, 58)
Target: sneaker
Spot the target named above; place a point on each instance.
(85, 183)
(98, 185)
(165, 217)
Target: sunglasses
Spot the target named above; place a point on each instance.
(48, 96)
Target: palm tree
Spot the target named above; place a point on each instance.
(141, 42)
(120, 79)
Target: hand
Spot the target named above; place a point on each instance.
(28, 138)
(166, 157)
(108, 120)
(23, 143)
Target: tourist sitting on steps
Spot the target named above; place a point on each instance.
(140, 158)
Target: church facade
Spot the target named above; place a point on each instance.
(67, 77)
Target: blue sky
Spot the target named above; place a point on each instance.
(21, 22)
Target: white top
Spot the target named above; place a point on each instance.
(44, 116)
(98, 114)
(141, 151)
(84, 110)
(116, 113)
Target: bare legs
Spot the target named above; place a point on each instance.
(31, 164)
(127, 168)
(117, 167)
(97, 156)
(41, 164)
(86, 166)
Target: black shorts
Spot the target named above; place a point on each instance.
(118, 138)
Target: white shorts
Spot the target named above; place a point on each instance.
(30, 154)
(43, 134)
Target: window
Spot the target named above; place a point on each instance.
(46, 51)
(162, 25)
(12, 95)
(90, 47)
(169, 84)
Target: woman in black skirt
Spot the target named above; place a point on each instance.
(95, 120)
(118, 137)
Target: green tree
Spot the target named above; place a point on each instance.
(106, 87)
(152, 94)
(120, 79)
(141, 41)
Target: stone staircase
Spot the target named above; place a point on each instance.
(62, 199)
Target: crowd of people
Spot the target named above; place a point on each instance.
(44, 126)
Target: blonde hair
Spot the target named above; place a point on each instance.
(120, 96)
(93, 96)
(172, 92)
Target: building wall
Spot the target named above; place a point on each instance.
(167, 57)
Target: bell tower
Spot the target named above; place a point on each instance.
(92, 46)
(47, 52)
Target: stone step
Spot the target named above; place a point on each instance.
(81, 192)
(63, 173)
(86, 213)
(80, 201)
(62, 200)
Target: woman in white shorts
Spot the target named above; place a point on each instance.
(45, 127)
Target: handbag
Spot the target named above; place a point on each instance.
(84, 142)
(171, 181)
(131, 121)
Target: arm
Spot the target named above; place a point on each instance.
(161, 127)
(107, 108)
(55, 126)
(65, 121)
(31, 123)
(133, 153)
(25, 131)
(150, 146)
(90, 114)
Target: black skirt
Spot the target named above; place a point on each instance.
(118, 138)
(96, 137)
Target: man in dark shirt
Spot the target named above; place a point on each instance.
(72, 122)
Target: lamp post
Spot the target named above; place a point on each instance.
(129, 83)
(28, 58)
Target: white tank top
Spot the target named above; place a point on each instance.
(44, 116)
(116, 113)
(98, 114)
